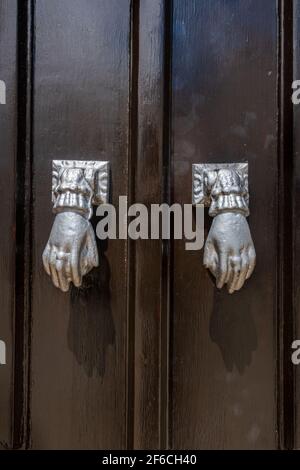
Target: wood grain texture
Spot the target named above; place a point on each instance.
(286, 285)
(296, 216)
(79, 343)
(225, 110)
(119, 363)
(8, 143)
(149, 310)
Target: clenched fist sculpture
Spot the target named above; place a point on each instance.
(71, 251)
(229, 251)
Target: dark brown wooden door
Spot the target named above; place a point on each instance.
(224, 108)
(8, 143)
(148, 353)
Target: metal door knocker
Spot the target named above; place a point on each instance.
(229, 251)
(71, 251)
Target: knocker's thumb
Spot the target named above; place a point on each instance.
(92, 252)
(75, 268)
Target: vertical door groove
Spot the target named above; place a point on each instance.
(151, 262)
(8, 159)
(23, 225)
(133, 143)
(286, 320)
(167, 245)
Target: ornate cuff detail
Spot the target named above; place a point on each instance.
(73, 193)
(221, 187)
(77, 185)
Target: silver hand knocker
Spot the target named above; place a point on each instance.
(229, 251)
(71, 251)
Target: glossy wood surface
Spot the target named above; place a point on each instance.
(224, 85)
(148, 354)
(81, 111)
(8, 144)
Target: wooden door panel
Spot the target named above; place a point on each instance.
(8, 144)
(148, 353)
(150, 340)
(79, 339)
(296, 214)
(224, 96)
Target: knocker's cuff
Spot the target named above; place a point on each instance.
(73, 193)
(222, 187)
(73, 202)
(228, 203)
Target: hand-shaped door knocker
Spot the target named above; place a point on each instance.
(71, 251)
(229, 251)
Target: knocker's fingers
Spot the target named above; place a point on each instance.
(235, 274)
(68, 270)
(210, 259)
(222, 271)
(46, 254)
(62, 278)
(229, 271)
(53, 272)
(244, 270)
(252, 261)
(75, 268)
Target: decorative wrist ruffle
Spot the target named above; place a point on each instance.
(73, 193)
(228, 203)
(227, 191)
